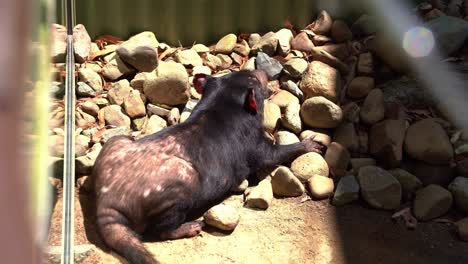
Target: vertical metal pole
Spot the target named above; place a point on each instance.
(69, 158)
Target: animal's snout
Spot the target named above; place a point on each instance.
(261, 76)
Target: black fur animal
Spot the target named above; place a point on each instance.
(160, 182)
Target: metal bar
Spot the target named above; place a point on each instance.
(69, 157)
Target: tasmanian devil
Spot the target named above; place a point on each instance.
(158, 184)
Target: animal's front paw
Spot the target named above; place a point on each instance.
(314, 146)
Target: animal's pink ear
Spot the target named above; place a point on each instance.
(199, 80)
(250, 103)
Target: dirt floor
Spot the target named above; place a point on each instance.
(290, 231)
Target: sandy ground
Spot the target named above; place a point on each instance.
(292, 232)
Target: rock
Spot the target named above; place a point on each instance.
(337, 158)
(138, 123)
(365, 64)
(260, 196)
(242, 48)
(200, 48)
(351, 112)
(57, 90)
(91, 78)
(462, 229)
(427, 141)
(340, 31)
(83, 119)
(84, 183)
(430, 174)
(201, 70)
(340, 51)
(346, 191)
(408, 92)
(253, 39)
(138, 81)
(286, 138)
(84, 164)
(360, 87)
(409, 183)
(133, 105)
(334, 62)
(320, 40)
(81, 145)
(431, 202)
(373, 108)
(309, 164)
(101, 102)
(188, 57)
(81, 43)
(115, 68)
(249, 65)
(380, 46)
(386, 142)
(173, 117)
(365, 25)
(433, 14)
(168, 85)
(226, 61)
(295, 67)
(292, 87)
(320, 187)
(450, 33)
(345, 135)
(358, 163)
(321, 113)
(222, 216)
(213, 62)
(140, 51)
(459, 189)
(319, 137)
(302, 42)
(285, 183)
(56, 145)
(271, 66)
(321, 80)
(242, 187)
(90, 108)
(291, 118)
(462, 167)
(271, 115)
(114, 116)
(322, 24)
(379, 188)
(284, 37)
(157, 110)
(226, 44)
(84, 90)
(189, 106)
(266, 44)
(59, 43)
(154, 124)
(283, 98)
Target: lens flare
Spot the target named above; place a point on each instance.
(418, 42)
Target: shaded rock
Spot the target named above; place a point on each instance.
(351, 112)
(302, 42)
(115, 68)
(380, 46)
(138, 81)
(260, 196)
(462, 229)
(373, 108)
(427, 141)
(450, 33)
(59, 42)
(295, 67)
(188, 57)
(345, 134)
(320, 40)
(242, 187)
(114, 116)
(168, 85)
(320, 187)
(365, 25)
(386, 141)
(379, 188)
(459, 189)
(154, 124)
(309, 164)
(138, 123)
(462, 167)
(222, 216)
(365, 64)
(363, 139)
(271, 115)
(431, 202)
(347, 191)
(91, 78)
(271, 66)
(358, 163)
(340, 51)
(284, 37)
(285, 183)
(340, 31)
(322, 24)
(84, 90)
(291, 118)
(430, 174)
(81, 43)
(266, 44)
(332, 61)
(409, 183)
(226, 44)
(408, 92)
(292, 87)
(283, 99)
(286, 138)
(321, 80)
(320, 112)
(133, 105)
(337, 158)
(360, 87)
(140, 51)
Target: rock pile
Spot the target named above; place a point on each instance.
(328, 81)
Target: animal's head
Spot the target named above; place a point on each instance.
(246, 89)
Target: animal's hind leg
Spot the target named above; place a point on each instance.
(189, 229)
(114, 229)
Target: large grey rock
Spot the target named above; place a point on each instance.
(222, 216)
(459, 189)
(379, 188)
(81, 43)
(409, 183)
(450, 33)
(320, 79)
(271, 66)
(427, 141)
(346, 191)
(431, 202)
(140, 51)
(308, 165)
(386, 141)
(285, 183)
(321, 113)
(168, 85)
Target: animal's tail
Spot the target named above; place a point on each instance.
(115, 232)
